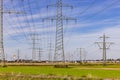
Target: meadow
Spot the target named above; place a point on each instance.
(96, 71)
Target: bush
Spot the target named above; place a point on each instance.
(61, 66)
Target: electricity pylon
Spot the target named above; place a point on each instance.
(34, 38)
(59, 42)
(36, 46)
(2, 55)
(81, 53)
(33, 47)
(104, 47)
(39, 54)
(18, 55)
(50, 52)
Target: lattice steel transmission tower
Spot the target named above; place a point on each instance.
(33, 46)
(50, 52)
(34, 38)
(81, 54)
(104, 46)
(39, 55)
(2, 55)
(39, 49)
(59, 42)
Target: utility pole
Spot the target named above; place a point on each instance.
(59, 18)
(2, 55)
(104, 47)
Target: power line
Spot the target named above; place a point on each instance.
(2, 55)
(82, 13)
(93, 2)
(8, 22)
(102, 10)
(20, 26)
(31, 15)
(26, 18)
(11, 26)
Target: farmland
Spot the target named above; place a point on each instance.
(90, 70)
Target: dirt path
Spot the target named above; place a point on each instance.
(102, 68)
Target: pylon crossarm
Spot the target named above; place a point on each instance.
(52, 5)
(69, 18)
(63, 5)
(12, 11)
(49, 18)
(67, 5)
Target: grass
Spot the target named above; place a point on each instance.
(76, 71)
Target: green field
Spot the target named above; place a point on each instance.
(111, 71)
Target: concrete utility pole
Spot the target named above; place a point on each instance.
(2, 55)
(59, 42)
(104, 47)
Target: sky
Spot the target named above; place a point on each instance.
(94, 18)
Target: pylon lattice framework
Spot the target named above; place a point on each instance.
(59, 42)
(2, 55)
(59, 45)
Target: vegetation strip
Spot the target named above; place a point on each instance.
(12, 76)
(109, 71)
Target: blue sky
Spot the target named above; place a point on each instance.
(94, 18)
